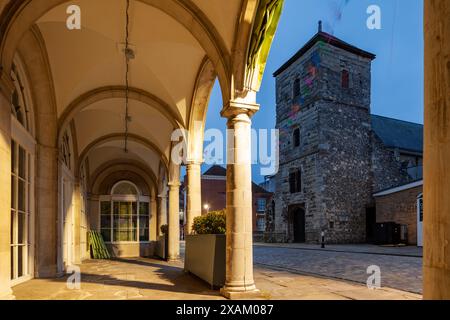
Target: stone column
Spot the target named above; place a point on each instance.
(436, 260)
(193, 194)
(153, 220)
(162, 213)
(239, 256)
(5, 198)
(47, 211)
(174, 222)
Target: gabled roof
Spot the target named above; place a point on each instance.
(327, 38)
(216, 171)
(398, 134)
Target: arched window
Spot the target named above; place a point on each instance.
(296, 138)
(19, 100)
(345, 79)
(125, 215)
(66, 150)
(296, 88)
(124, 188)
(22, 177)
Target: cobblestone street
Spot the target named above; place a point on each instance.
(401, 268)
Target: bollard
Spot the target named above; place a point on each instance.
(323, 239)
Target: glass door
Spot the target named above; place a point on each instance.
(20, 212)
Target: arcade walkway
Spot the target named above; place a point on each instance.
(147, 279)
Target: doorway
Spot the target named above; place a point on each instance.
(371, 220)
(298, 224)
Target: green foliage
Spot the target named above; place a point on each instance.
(165, 229)
(214, 222)
(265, 26)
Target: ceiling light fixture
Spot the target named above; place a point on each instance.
(129, 55)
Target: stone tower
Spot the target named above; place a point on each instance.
(323, 114)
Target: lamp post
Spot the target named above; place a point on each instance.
(206, 207)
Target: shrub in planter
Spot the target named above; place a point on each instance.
(206, 250)
(214, 222)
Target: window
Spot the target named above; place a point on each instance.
(65, 150)
(260, 224)
(19, 107)
(295, 181)
(125, 217)
(296, 88)
(261, 205)
(345, 79)
(296, 138)
(20, 210)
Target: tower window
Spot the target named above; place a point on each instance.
(345, 79)
(296, 138)
(295, 181)
(296, 88)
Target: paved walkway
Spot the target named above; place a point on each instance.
(406, 251)
(148, 279)
(401, 268)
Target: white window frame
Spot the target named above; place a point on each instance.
(25, 140)
(124, 198)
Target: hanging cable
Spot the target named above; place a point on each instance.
(128, 55)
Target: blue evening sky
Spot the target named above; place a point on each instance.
(397, 73)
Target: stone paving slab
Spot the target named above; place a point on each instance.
(148, 279)
(399, 272)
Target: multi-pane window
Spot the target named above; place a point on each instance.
(261, 223)
(125, 217)
(261, 205)
(295, 181)
(20, 210)
(19, 106)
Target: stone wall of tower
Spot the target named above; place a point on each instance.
(335, 149)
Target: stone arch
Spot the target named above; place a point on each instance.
(20, 15)
(111, 92)
(110, 167)
(197, 118)
(120, 136)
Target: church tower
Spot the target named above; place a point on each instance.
(323, 114)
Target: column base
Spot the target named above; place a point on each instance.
(7, 296)
(173, 260)
(232, 294)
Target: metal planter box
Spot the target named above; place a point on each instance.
(206, 258)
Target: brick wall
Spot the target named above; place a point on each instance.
(401, 208)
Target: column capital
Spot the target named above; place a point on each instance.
(174, 185)
(238, 107)
(191, 162)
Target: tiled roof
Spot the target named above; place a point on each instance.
(398, 134)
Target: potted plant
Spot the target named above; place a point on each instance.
(206, 248)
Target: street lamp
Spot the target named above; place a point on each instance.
(206, 207)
